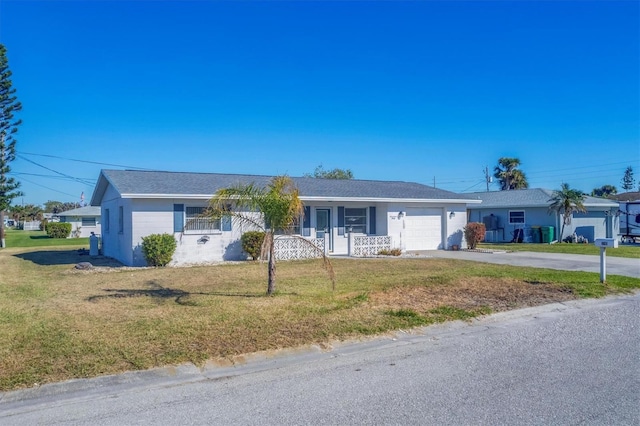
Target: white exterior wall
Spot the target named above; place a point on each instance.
(149, 217)
(454, 233)
(196, 247)
(193, 247)
(395, 226)
(143, 217)
(116, 243)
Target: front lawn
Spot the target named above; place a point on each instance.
(20, 238)
(58, 323)
(623, 250)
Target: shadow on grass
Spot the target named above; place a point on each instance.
(159, 293)
(66, 257)
(39, 237)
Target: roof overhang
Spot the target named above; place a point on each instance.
(542, 206)
(319, 199)
(392, 200)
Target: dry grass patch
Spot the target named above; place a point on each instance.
(471, 293)
(58, 323)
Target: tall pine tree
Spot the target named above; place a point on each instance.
(9, 104)
(628, 182)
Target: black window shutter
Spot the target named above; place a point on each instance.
(372, 220)
(306, 222)
(178, 217)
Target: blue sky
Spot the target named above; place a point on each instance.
(412, 91)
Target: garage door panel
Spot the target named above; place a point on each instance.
(423, 229)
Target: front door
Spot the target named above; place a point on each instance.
(323, 226)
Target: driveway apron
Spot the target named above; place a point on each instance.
(566, 262)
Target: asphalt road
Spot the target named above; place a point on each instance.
(576, 363)
(567, 262)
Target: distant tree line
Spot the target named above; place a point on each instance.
(59, 207)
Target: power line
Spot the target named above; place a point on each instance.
(82, 161)
(473, 186)
(541, 176)
(50, 176)
(55, 171)
(552, 172)
(46, 187)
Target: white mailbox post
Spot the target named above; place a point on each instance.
(603, 243)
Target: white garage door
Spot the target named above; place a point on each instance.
(423, 229)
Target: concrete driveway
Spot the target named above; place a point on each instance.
(566, 262)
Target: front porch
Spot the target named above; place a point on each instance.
(292, 247)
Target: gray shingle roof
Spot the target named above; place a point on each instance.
(82, 211)
(626, 196)
(536, 197)
(130, 182)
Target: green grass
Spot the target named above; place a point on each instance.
(19, 238)
(627, 250)
(58, 323)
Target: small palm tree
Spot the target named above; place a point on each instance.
(279, 206)
(566, 201)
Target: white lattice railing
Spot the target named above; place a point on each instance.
(292, 248)
(363, 245)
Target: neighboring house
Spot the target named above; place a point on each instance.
(83, 220)
(344, 217)
(626, 196)
(504, 212)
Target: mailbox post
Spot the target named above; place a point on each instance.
(603, 243)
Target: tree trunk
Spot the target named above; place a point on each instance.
(2, 242)
(271, 287)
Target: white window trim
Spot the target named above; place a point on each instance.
(524, 217)
(95, 222)
(211, 231)
(366, 219)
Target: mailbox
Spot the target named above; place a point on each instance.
(606, 242)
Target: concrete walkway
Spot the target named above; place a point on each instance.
(566, 262)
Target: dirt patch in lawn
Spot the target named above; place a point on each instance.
(499, 294)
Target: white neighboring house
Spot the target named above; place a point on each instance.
(83, 220)
(344, 217)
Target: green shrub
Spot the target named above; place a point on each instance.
(474, 233)
(58, 229)
(158, 249)
(252, 243)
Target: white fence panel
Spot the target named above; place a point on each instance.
(363, 245)
(31, 226)
(294, 248)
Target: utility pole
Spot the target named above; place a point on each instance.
(487, 177)
(434, 181)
